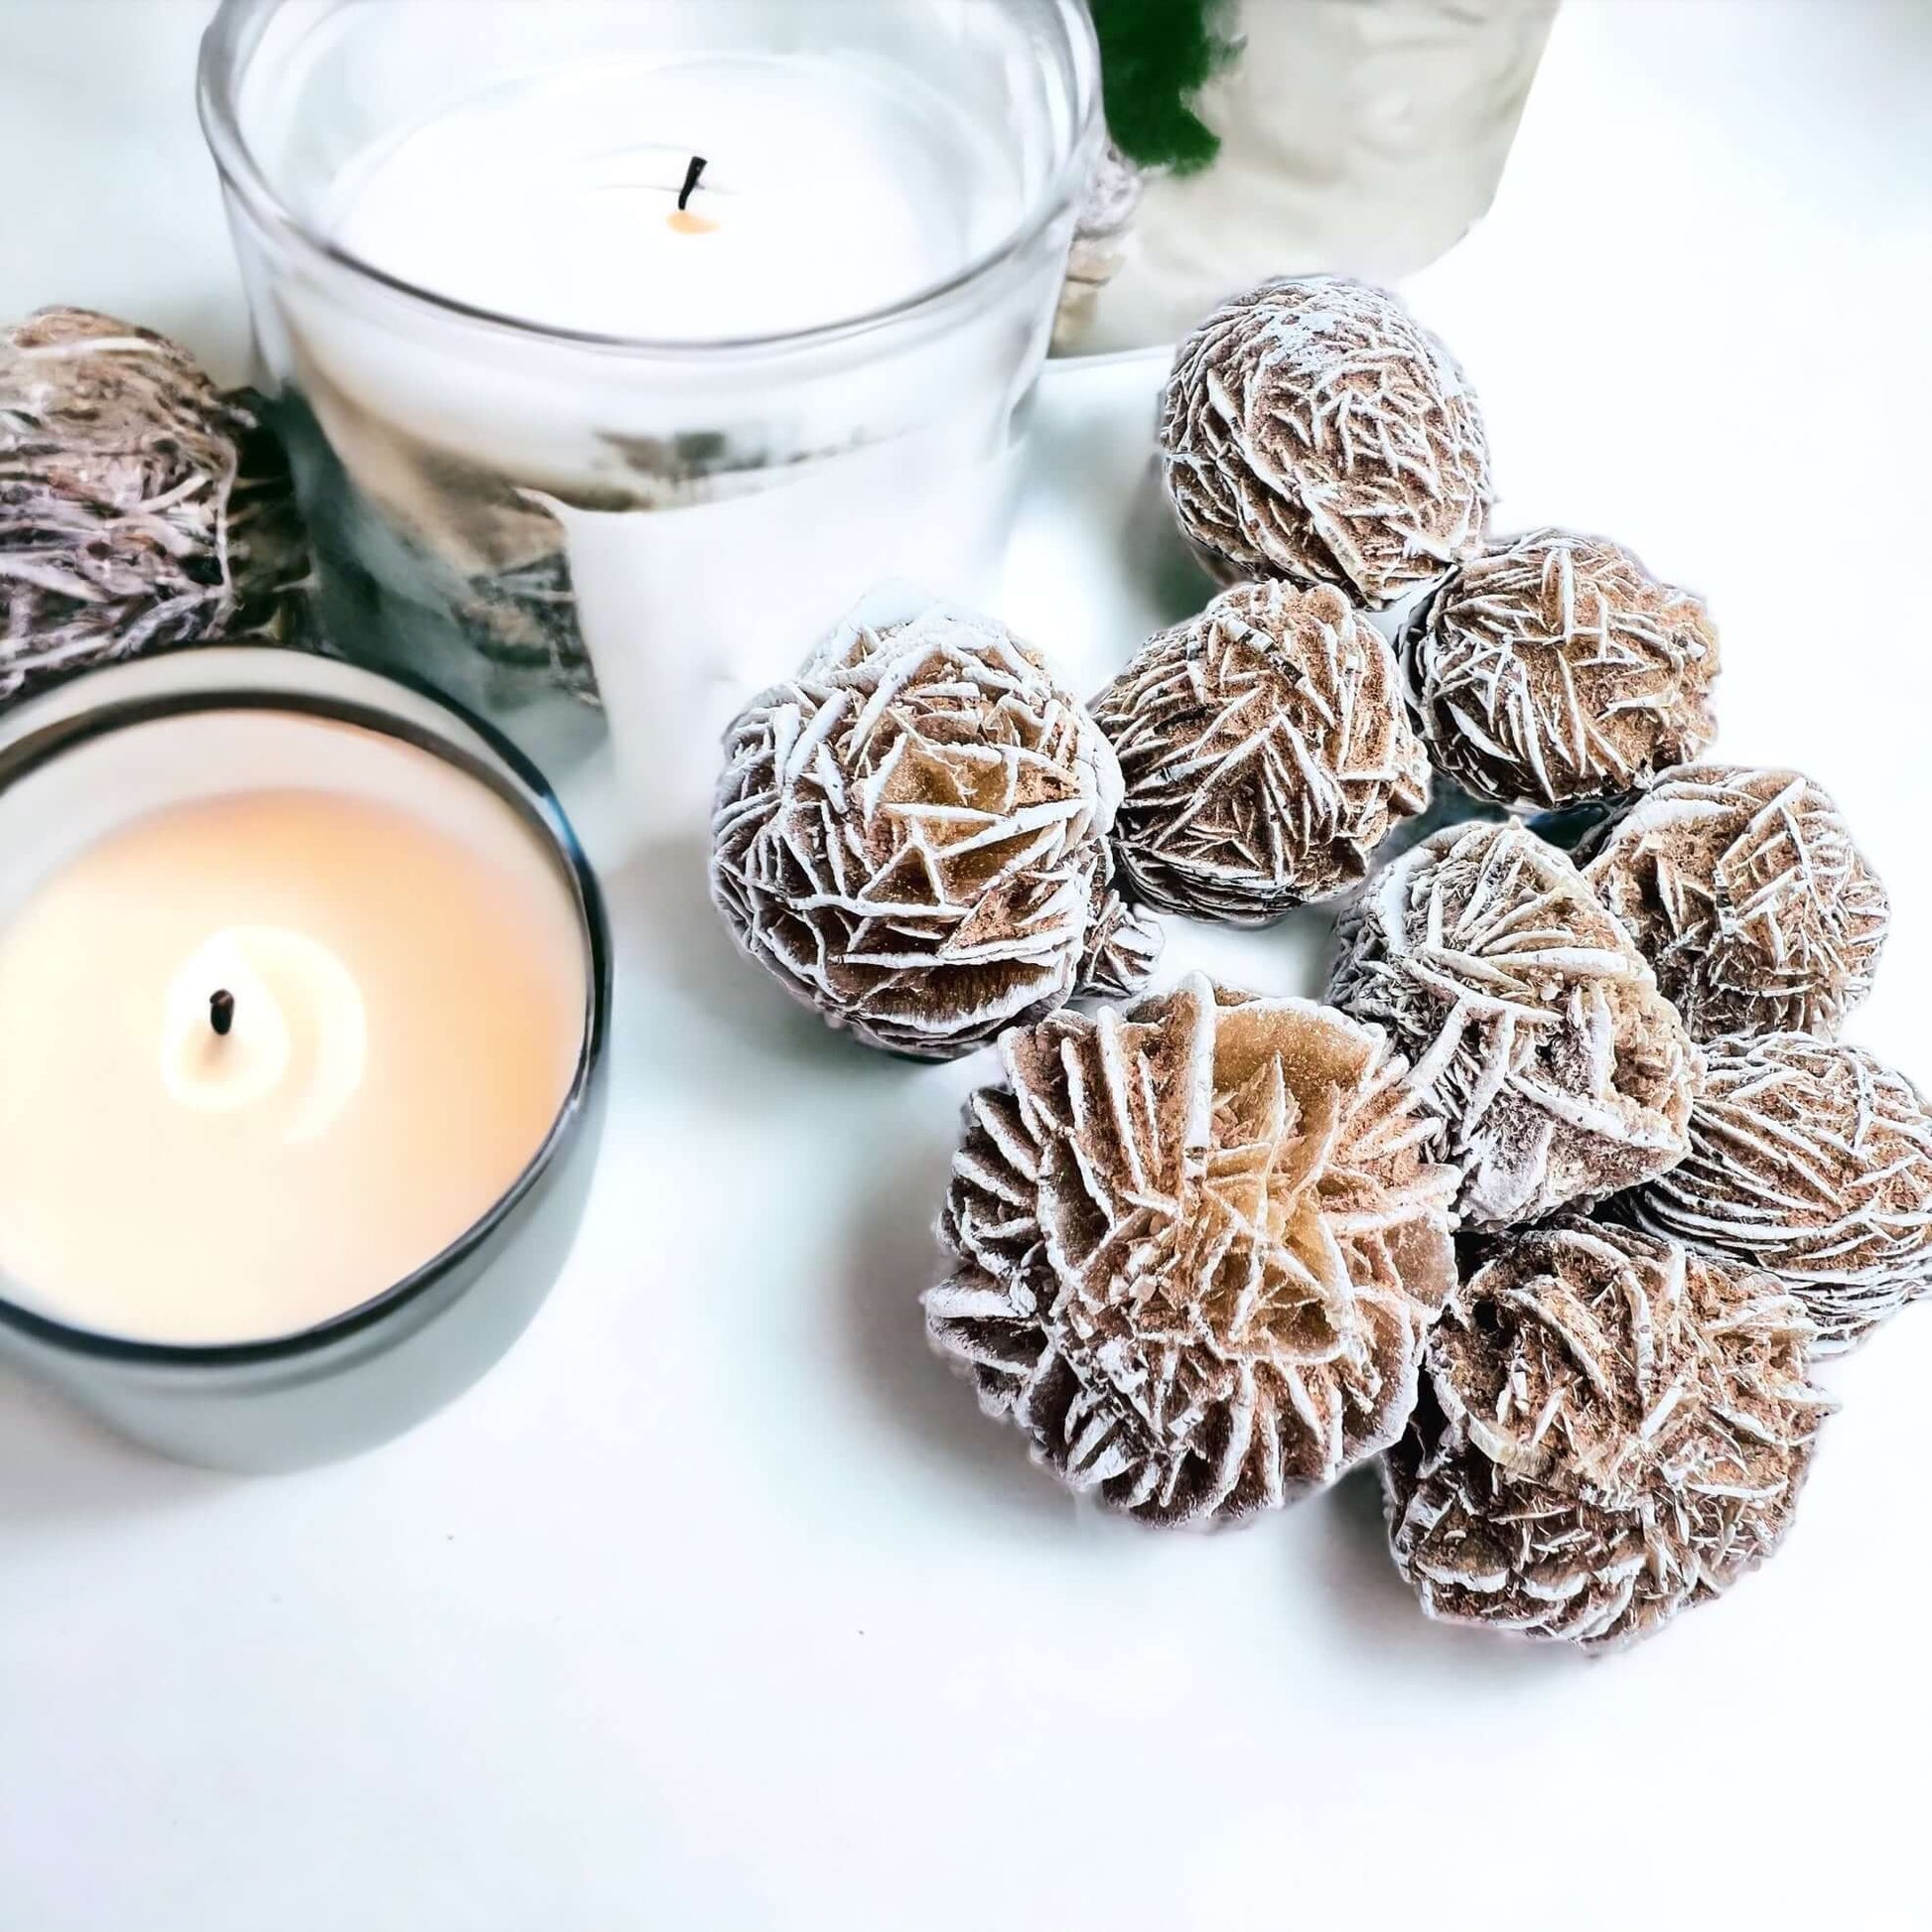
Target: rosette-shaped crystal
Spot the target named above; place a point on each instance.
(1610, 1430)
(910, 835)
(1554, 669)
(1266, 751)
(1534, 1026)
(1814, 1161)
(1744, 891)
(1197, 1248)
(141, 508)
(1314, 430)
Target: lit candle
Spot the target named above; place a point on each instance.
(293, 999)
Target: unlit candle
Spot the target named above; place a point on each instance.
(406, 1012)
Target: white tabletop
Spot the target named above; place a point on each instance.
(718, 1604)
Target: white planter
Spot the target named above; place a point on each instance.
(1357, 136)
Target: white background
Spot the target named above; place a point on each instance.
(718, 1605)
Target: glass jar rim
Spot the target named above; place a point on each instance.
(230, 39)
(515, 778)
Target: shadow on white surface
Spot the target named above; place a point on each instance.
(1344, 1569)
(894, 1256)
(1097, 565)
(669, 935)
(56, 1463)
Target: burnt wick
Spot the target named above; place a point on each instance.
(221, 1011)
(692, 176)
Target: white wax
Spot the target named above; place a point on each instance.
(280, 983)
(408, 983)
(719, 509)
(826, 194)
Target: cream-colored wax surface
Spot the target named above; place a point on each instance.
(407, 1021)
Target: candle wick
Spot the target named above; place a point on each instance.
(692, 176)
(221, 1011)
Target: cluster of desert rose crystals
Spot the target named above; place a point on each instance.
(1203, 1243)
(1203, 1246)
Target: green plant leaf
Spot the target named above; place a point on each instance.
(1156, 56)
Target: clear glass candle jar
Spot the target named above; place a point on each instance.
(530, 452)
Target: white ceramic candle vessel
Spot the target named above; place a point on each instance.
(649, 331)
(1358, 136)
(303, 994)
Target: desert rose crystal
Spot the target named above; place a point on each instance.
(141, 508)
(1536, 1028)
(1610, 1430)
(910, 835)
(1314, 430)
(1747, 893)
(1554, 669)
(1196, 1246)
(1814, 1161)
(1266, 753)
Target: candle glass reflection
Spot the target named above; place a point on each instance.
(283, 1240)
(543, 434)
